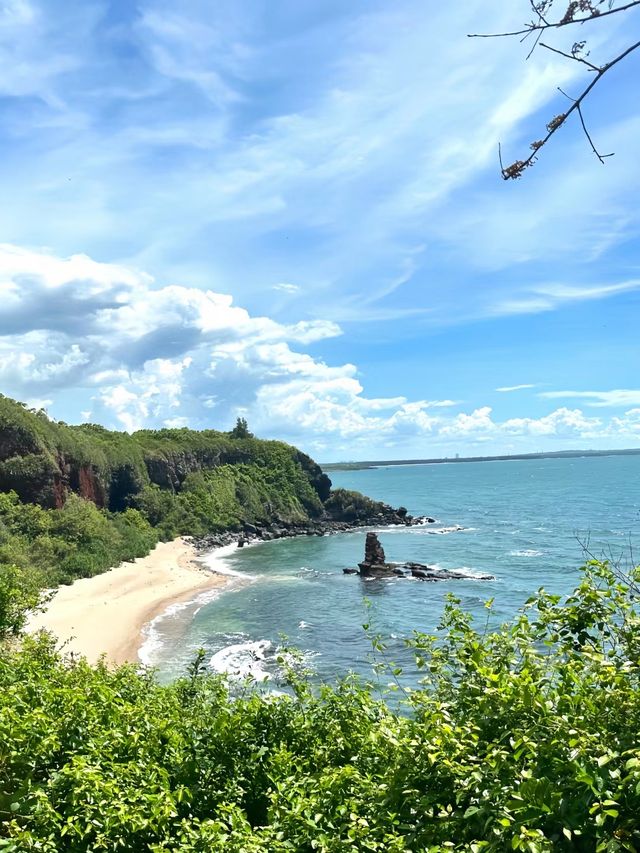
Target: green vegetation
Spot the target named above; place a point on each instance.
(76, 500)
(351, 505)
(241, 429)
(523, 738)
(43, 461)
(79, 540)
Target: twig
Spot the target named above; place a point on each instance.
(537, 10)
(571, 56)
(516, 169)
(556, 24)
(593, 147)
(586, 132)
(535, 44)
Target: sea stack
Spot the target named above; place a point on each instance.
(374, 562)
(375, 565)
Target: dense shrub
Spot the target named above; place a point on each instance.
(523, 738)
(19, 593)
(78, 540)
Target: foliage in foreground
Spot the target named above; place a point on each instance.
(521, 738)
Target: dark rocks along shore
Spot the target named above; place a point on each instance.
(385, 516)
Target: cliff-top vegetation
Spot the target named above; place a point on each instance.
(76, 500)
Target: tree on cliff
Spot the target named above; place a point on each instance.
(546, 18)
(241, 429)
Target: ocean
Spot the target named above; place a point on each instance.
(527, 522)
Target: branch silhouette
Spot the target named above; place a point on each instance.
(566, 21)
(572, 15)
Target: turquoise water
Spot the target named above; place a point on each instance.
(524, 522)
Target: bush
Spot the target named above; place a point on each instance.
(520, 738)
(19, 593)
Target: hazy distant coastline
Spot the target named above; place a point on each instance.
(555, 454)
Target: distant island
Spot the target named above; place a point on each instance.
(514, 457)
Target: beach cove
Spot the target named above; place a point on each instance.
(521, 522)
(236, 602)
(107, 614)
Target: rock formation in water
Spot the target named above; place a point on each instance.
(375, 565)
(374, 562)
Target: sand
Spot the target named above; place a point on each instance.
(105, 614)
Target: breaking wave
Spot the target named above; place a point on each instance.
(245, 660)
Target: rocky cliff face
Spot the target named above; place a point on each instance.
(318, 479)
(43, 461)
(47, 479)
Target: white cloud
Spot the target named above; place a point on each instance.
(547, 297)
(505, 389)
(561, 422)
(150, 356)
(287, 287)
(478, 421)
(617, 397)
(629, 424)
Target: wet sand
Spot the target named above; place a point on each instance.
(105, 614)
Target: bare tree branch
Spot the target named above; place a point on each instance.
(593, 147)
(549, 25)
(535, 43)
(516, 169)
(570, 56)
(586, 132)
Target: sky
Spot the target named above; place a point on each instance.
(293, 212)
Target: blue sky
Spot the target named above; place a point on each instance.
(293, 212)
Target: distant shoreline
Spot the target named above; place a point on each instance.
(515, 457)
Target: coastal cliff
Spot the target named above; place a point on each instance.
(75, 500)
(43, 460)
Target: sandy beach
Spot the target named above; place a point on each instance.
(105, 614)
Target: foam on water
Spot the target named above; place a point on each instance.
(243, 660)
(526, 552)
(453, 528)
(153, 640)
(216, 561)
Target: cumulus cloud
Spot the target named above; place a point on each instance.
(135, 354)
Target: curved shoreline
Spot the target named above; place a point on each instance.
(112, 614)
(107, 614)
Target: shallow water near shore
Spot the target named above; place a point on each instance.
(524, 522)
